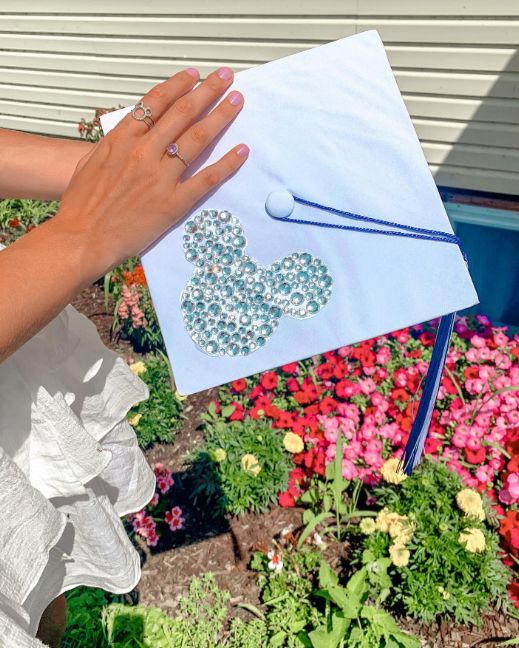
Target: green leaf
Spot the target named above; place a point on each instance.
(321, 637)
(357, 583)
(308, 530)
(349, 603)
(327, 576)
(227, 410)
(308, 516)
(212, 408)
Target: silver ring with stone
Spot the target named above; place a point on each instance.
(140, 112)
(173, 150)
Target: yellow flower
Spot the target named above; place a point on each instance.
(385, 518)
(367, 526)
(401, 530)
(179, 396)
(219, 455)
(138, 368)
(391, 473)
(470, 502)
(134, 420)
(473, 539)
(249, 463)
(399, 555)
(293, 442)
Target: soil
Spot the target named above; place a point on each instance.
(224, 546)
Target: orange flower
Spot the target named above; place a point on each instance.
(138, 276)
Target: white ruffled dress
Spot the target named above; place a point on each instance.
(70, 467)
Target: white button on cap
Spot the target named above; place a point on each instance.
(280, 203)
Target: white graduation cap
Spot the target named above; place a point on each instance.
(331, 233)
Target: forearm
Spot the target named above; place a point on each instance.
(34, 166)
(39, 275)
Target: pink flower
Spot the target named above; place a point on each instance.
(509, 494)
(484, 474)
(349, 471)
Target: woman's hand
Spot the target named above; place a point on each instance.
(128, 191)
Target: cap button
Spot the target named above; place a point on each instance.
(280, 203)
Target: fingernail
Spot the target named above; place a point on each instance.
(243, 150)
(235, 98)
(224, 73)
(193, 72)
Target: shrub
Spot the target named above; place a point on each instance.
(443, 550)
(242, 466)
(159, 417)
(19, 216)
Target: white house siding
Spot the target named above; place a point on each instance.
(456, 62)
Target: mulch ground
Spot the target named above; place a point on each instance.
(224, 546)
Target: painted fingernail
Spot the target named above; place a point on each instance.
(243, 150)
(193, 72)
(225, 73)
(235, 98)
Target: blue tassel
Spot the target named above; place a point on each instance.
(415, 444)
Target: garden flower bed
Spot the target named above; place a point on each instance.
(286, 486)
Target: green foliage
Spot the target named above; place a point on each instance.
(222, 479)
(90, 130)
(442, 576)
(95, 621)
(350, 620)
(17, 216)
(307, 607)
(330, 506)
(129, 279)
(85, 627)
(160, 415)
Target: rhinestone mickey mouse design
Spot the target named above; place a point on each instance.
(232, 305)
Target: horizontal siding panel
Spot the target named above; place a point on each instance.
(457, 109)
(492, 135)
(272, 7)
(43, 111)
(39, 126)
(480, 157)
(455, 61)
(484, 32)
(469, 177)
(74, 98)
(442, 58)
(505, 85)
(485, 109)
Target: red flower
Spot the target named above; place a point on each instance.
(217, 407)
(340, 370)
(324, 371)
(345, 389)
(263, 402)
(471, 372)
(290, 368)
(448, 385)
(238, 413)
(239, 385)
(14, 222)
(255, 392)
(284, 420)
(302, 397)
(327, 405)
(399, 395)
(417, 353)
(427, 339)
(476, 456)
(432, 445)
(269, 380)
(292, 385)
(286, 500)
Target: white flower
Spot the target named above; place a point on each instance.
(275, 562)
(318, 541)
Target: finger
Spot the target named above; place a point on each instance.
(185, 110)
(202, 134)
(159, 99)
(192, 190)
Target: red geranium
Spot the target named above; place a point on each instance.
(239, 385)
(269, 380)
